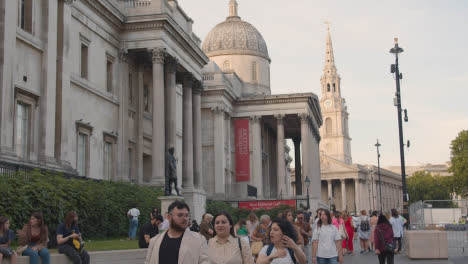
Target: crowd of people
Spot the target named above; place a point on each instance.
(290, 238)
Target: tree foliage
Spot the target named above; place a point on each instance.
(425, 186)
(101, 205)
(459, 163)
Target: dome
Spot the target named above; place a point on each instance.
(235, 36)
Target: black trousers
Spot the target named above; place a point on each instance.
(398, 239)
(386, 255)
(77, 258)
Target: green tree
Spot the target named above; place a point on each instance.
(459, 163)
(425, 186)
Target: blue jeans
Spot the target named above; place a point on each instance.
(34, 255)
(133, 228)
(327, 260)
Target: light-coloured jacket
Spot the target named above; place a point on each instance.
(193, 249)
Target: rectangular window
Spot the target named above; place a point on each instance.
(254, 71)
(110, 66)
(84, 61)
(130, 89)
(25, 15)
(107, 160)
(81, 153)
(22, 130)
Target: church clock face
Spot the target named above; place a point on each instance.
(327, 103)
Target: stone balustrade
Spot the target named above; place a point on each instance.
(136, 256)
(136, 3)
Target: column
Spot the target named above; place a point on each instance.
(139, 125)
(219, 160)
(343, 194)
(122, 146)
(63, 112)
(356, 195)
(170, 93)
(297, 161)
(197, 139)
(257, 154)
(330, 191)
(305, 144)
(229, 181)
(281, 165)
(187, 139)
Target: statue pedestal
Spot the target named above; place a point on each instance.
(196, 200)
(167, 200)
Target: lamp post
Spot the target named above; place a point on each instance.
(377, 145)
(307, 182)
(398, 76)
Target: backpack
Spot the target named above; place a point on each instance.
(364, 226)
(291, 253)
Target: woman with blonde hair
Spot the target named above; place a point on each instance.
(252, 223)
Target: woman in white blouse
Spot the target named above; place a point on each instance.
(225, 247)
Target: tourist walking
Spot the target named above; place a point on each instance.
(225, 247)
(6, 236)
(206, 228)
(261, 235)
(177, 245)
(383, 237)
(69, 239)
(348, 245)
(397, 223)
(133, 215)
(283, 248)
(326, 241)
(338, 222)
(305, 230)
(252, 223)
(290, 218)
(240, 230)
(149, 230)
(373, 223)
(364, 231)
(33, 239)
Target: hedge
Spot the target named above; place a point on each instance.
(101, 205)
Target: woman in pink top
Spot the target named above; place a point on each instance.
(337, 220)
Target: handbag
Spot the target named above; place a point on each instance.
(389, 247)
(343, 232)
(256, 247)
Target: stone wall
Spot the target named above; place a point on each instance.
(136, 256)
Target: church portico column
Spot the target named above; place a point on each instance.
(356, 195)
(330, 191)
(170, 93)
(219, 157)
(158, 135)
(305, 162)
(187, 136)
(297, 166)
(343, 194)
(197, 144)
(257, 154)
(139, 126)
(281, 165)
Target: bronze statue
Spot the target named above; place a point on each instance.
(171, 173)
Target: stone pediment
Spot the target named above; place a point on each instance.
(328, 164)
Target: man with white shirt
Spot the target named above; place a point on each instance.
(133, 215)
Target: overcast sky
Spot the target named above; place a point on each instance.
(434, 64)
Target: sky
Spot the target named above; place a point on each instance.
(434, 64)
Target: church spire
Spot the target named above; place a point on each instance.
(233, 8)
(329, 57)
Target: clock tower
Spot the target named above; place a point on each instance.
(336, 142)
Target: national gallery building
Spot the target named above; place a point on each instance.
(103, 88)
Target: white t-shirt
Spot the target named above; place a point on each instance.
(134, 213)
(285, 260)
(327, 235)
(397, 226)
(164, 225)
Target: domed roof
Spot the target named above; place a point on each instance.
(235, 36)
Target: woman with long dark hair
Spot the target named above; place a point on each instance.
(33, 238)
(283, 248)
(326, 247)
(69, 239)
(6, 236)
(225, 247)
(383, 236)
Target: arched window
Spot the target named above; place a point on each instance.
(328, 87)
(254, 71)
(334, 88)
(328, 126)
(227, 65)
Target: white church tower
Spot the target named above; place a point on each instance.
(336, 142)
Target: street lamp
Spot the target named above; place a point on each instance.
(307, 182)
(378, 169)
(398, 76)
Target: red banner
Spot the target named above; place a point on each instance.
(254, 205)
(242, 149)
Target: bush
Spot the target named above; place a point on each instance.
(215, 207)
(101, 205)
